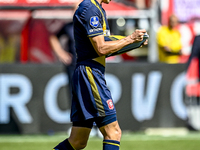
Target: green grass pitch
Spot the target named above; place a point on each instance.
(129, 141)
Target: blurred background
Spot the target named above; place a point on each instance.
(156, 86)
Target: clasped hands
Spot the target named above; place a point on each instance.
(137, 36)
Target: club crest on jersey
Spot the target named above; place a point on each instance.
(94, 21)
(110, 104)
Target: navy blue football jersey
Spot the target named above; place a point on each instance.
(89, 21)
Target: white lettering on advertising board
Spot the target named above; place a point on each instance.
(18, 100)
(50, 99)
(177, 89)
(142, 103)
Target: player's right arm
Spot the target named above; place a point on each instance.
(103, 47)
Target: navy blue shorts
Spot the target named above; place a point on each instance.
(91, 97)
(99, 121)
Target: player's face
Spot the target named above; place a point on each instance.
(106, 1)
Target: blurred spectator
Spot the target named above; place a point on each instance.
(193, 67)
(169, 42)
(193, 86)
(9, 44)
(66, 54)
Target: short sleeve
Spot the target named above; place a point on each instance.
(93, 22)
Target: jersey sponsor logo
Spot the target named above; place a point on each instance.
(110, 104)
(97, 29)
(94, 21)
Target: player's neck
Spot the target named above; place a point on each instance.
(99, 1)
